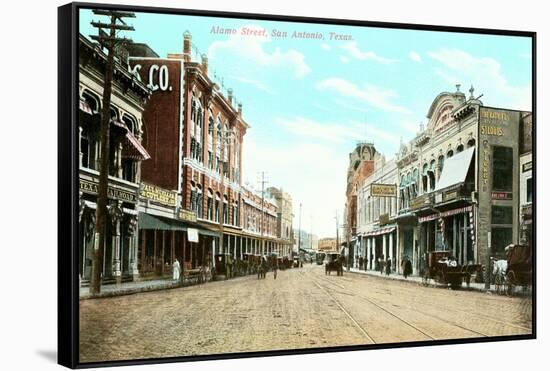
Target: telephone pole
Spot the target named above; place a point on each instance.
(299, 229)
(263, 182)
(110, 41)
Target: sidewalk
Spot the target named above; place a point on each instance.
(127, 288)
(418, 280)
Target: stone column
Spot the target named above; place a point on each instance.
(374, 257)
(390, 237)
(133, 247)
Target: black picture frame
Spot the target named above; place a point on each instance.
(68, 188)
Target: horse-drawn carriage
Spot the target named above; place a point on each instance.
(443, 268)
(519, 271)
(334, 262)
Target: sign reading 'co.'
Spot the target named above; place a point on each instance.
(159, 77)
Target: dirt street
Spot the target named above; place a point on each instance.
(302, 308)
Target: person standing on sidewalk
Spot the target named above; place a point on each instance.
(381, 264)
(388, 267)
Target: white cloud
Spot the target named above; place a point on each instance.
(252, 49)
(415, 56)
(325, 46)
(344, 59)
(256, 83)
(353, 49)
(485, 74)
(375, 96)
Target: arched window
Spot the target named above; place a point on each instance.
(218, 207)
(92, 100)
(235, 213)
(450, 153)
(431, 175)
(210, 205)
(471, 142)
(425, 178)
(199, 201)
(460, 148)
(193, 199)
(225, 210)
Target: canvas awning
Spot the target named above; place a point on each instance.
(85, 107)
(455, 169)
(152, 222)
(132, 148)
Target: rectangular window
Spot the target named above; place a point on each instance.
(503, 162)
(529, 190)
(500, 238)
(501, 215)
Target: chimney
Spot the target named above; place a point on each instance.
(187, 46)
(204, 64)
(230, 96)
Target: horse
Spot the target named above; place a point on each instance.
(499, 274)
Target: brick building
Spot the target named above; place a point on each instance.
(128, 100)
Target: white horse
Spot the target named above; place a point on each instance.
(499, 272)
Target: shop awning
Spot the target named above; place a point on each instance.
(151, 222)
(132, 148)
(380, 231)
(455, 169)
(85, 107)
(148, 221)
(445, 214)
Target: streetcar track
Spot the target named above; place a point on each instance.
(346, 312)
(419, 311)
(479, 315)
(363, 331)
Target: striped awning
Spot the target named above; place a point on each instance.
(445, 214)
(380, 231)
(85, 107)
(133, 149)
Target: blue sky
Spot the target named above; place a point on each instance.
(309, 101)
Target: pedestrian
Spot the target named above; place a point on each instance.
(407, 267)
(381, 264)
(176, 270)
(275, 267)
(388, 267)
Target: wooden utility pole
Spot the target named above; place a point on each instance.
(263, 182)
(108, 41)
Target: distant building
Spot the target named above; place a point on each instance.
(376, 215)
(361, 165)
(327, 245)
(285, 217)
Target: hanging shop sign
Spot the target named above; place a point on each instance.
(383, 190)
(187, 215)
(420, 202)
(192, 235)
(158, 195)
(449, 196)
(87, 186)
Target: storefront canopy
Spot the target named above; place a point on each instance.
(148, 221)
(455, 169)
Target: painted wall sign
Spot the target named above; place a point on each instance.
(157, 194)
(113, 193)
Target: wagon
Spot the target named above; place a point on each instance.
(334, 263)
(443, 268)
(520, 269)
